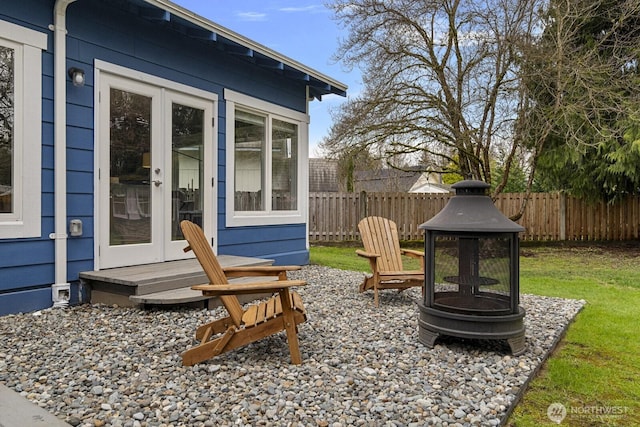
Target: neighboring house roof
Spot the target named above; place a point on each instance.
(426, 184)
(395, 180)
(192, 25)
(323, 175)
(430, 188)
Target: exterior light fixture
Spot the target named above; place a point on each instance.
(77, 76)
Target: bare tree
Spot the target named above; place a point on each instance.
(441, 79)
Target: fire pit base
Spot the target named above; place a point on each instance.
(434, 323)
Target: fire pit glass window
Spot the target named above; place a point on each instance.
(472, 274)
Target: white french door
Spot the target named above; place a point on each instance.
(156, 168)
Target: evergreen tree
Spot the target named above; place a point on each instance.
(585, 102)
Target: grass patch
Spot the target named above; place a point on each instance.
(594, 372)
(344, 257)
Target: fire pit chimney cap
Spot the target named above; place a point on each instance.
(471, 210)
(471, 186)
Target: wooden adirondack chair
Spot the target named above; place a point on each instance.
(382, 249)
(282, 312)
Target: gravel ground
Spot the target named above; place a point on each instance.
(98, 365)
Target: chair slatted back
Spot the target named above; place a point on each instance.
(380, 236)
(204, 253)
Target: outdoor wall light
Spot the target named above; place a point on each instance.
(77, 76)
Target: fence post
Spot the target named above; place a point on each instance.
(364, 206)
(562, 218)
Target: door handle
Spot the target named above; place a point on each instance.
(157, 182)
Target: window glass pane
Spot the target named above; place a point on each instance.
(6, 129)
(130, 168)
(250, 142)
(284, 149)
(187, 153)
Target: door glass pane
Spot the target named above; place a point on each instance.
(130, 163)
(285, 166)
(187, 150)
(6, 129)
(250, 141)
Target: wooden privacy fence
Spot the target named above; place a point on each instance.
(334, 217)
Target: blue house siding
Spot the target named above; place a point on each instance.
(23, 301)
(107, 31)
(285, 244)
(27, 265)
(138, 45)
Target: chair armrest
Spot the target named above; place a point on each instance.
(247, 288)
(365, 254)
(256, 271)
(412, 253)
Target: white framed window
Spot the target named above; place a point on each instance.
(20, 130)
(266, 148)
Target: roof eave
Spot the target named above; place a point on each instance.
(319, 83)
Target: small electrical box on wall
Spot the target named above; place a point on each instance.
(75, 227)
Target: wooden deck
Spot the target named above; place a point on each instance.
(167, 283)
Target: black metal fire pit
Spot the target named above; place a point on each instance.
(471, 286)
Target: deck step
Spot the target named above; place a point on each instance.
(129, 286)
(187, 295)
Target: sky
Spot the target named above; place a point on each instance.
(303, 30)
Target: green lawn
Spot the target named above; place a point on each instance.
(596, 370)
